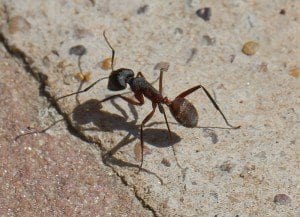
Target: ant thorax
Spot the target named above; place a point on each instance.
(139, 85)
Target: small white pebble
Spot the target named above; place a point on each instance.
(28, 148)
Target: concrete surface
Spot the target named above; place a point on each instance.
(252, 171)
(53, 174)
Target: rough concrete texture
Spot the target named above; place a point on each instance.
(53, 174)
(251, 171)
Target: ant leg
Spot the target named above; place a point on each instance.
(191, 90)
(160, 80)
(140, 99)
(140, 74)
(162, 70)
(162, 110)
(81, 91)
(112, 50)
(147, 118)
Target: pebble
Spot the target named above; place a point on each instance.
(178, 31)
(142, 9)
(80, 33)
(78, 50)
(247, 170)
(232, 57)
(194, 51)
(204, 13)
(211, 133)
(46, 61)
(18, 24)
(282, 199)
(106, 64)
(282, 12)
(263, 67)
(207, 40)
(261, 155)
(226, 166)
(162, 65)
(83, 76)
(166, 162)
(68, 79)
(250, 48)
(295, 72)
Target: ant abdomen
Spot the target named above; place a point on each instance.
(184, 112)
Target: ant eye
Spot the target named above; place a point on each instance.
(118, 79)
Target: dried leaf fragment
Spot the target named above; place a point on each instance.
(106, 64)
(83, 76)
(295, 72)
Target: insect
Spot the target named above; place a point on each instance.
(182, 110)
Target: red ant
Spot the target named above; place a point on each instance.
(182, 110)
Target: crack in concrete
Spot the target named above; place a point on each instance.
(42, 80)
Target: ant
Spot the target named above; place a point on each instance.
(182, 110)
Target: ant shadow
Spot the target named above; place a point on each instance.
(91, 112)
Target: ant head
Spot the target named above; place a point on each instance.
(119, 78)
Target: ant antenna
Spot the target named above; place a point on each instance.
(93, 84)
(84, 90)
(112, 50)
(38, 131)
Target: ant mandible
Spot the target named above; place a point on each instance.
(182, 110)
